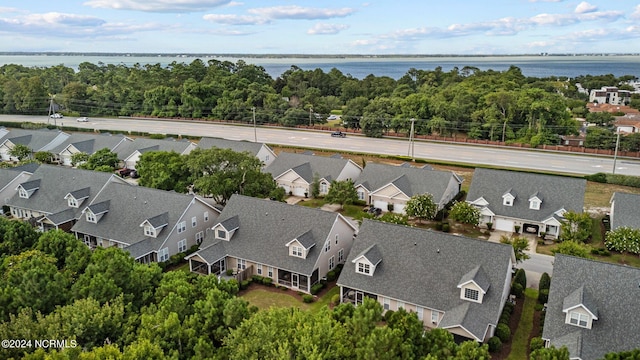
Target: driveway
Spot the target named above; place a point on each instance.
(535, 265)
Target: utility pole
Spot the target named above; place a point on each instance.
(411, 140)
(615, 154)
(504, 128)
(310, 113)
(255, 133)
(50, 107)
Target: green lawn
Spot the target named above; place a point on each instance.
(520, 340)
(265, 299)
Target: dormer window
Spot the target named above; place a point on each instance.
(471, 294)
(297, 251)
(363, 268)
(72, 202)
(579, 319)
(534, 205)
(508, 198)
(91, 217)
(149, 231)
(23, 193)
(221, 234)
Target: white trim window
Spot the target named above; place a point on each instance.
(471, 294)
(221, 234)
(360, 194)
(270, 271)
(386, 303)
(194, 221)
(420, 313)
(534, 205)
(206, 216)
(579, 319)
(341, 256)
(163, 255)
(259, 269)
(435, 316)
(327, 246)
(337, 238)
(296, 251)
(91, 217)
(324, 187)
(332, 262)
(182, 245)
(149, 231)
(72, 202)
(363, 268)
(400, 304)
(182, 227)
(199, 237)
(23, 193)
(242, 264)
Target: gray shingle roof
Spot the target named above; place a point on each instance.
(130, 206)
(159, 220)
(306, 239)
(424, 267)
(90, 143)
(62, 216)
(559, 192)
(231, 223)
(265, 227)
(100, 207)
(81, 193)
(613, 289)
(478, 276)
(580, 297)
(143, 144)
(308, 165)
(237, 146)
(7, 175)
(36, 140)
(411, 181)
(212, 251)
(372, 253)
(626, 210)
(55, 183)
(31, 184)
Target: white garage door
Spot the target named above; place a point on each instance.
(298, 191)
(380, 204)
(399, 208)
(504, 225)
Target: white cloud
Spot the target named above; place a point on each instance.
(158, 5)
(299, 12)
(636, 13)
(327, 29)
(585, 7)
(229, 19)
(534, 1)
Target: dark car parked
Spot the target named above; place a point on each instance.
(338, 134)
(373, 210)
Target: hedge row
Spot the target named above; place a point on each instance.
(615, 179)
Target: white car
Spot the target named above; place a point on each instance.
(82, 119)
(333, 117)
(56, 116)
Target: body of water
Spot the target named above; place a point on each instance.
(360, 67)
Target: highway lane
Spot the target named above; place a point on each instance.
(469, 154)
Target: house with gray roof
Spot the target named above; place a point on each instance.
(533, 203)
(625, 211)
(451, 282)
(129, 153)
(10, 178)
(260, 150)
(593, 307)
(151, 224)
(86, 143)
(53, 196)
(294, 246)
(390, 187)
(295, 173)
(36, 140)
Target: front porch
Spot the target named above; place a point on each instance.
(355, 297)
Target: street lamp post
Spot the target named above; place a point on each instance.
(615, 153)
(255, 132)
(411, 140)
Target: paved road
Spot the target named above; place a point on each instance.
(512, 158)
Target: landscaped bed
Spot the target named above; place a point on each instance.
(265, 297)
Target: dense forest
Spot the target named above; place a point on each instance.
(494, 105)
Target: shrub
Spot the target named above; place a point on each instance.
(517, 229)
(543, 296)
(504, 319)
(388, 315)
(446, 227)
(536, 343)
(244, 284)
(600, 251)
(545, 282)
(597, 177)
(521, 278)
(157, 136)
(508, 308)
(335, 299)
(503, 332)
(538, 307)
(256, 278)
(390, 207)
(316, 288)
(267, 281)
(489, 226)
(439, 226)
(331, 275)
(517, 290)
(307, 298)
(229, 272)
(494, 344)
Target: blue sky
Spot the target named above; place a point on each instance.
(465, 27)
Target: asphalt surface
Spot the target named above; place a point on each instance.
(458, 153)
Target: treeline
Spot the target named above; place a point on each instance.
(481, 104)
(107, 306)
